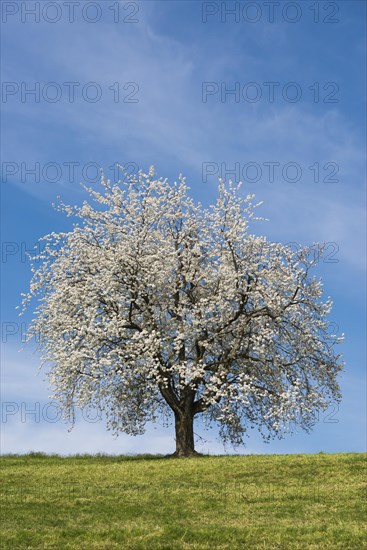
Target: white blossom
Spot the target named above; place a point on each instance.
(154, 301)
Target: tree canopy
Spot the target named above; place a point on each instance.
(153, 302)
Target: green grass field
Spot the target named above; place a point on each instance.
(150, 502)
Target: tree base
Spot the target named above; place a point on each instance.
(185, 454)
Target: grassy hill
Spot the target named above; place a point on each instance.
(152, 502)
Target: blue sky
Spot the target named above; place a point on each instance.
(174, 68)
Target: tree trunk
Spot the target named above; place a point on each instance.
(184, 426)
